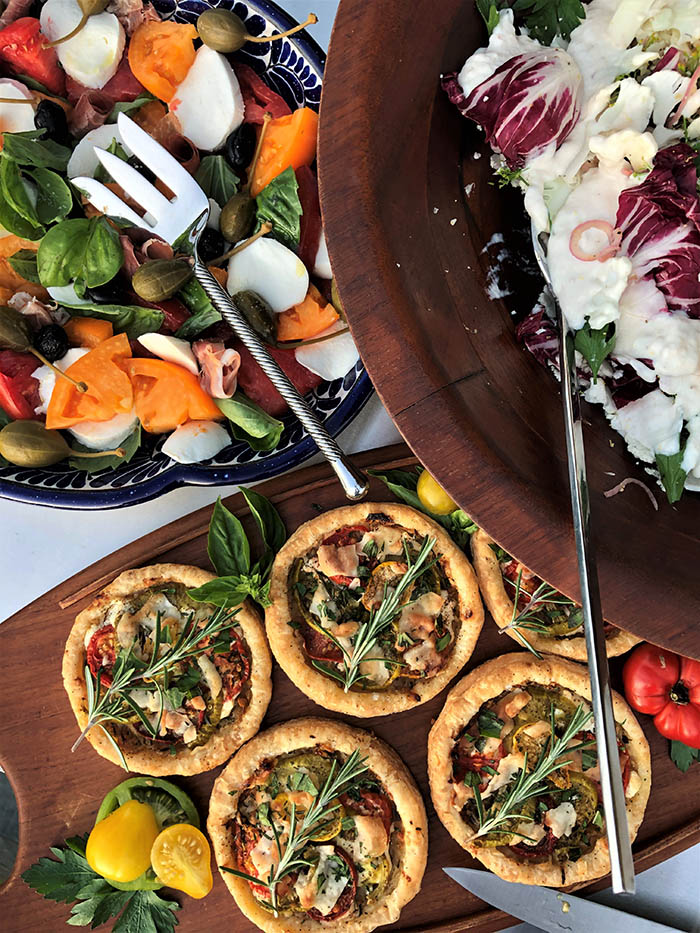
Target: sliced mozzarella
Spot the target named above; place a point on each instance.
(170, 349)
(272, 271)
(208, 103)
(66, 295)
(196, 441)
(322, 264)
(83, 161)
(211, 675)
(507, 767)
(15, 118)
(561, 820)
(330, 359)
(105, 435)
(92, 56)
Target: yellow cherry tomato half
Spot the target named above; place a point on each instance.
(433, 496)
(181, 858)
(119, 847)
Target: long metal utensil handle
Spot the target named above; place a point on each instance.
(621, 862)
(354, 483)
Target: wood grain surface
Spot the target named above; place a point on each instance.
(409, 213)
(58, 792)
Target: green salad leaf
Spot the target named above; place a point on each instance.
(204, 314)
(544, 19)
(217, 179)
(92, 465)
(54, 199)
(80, 250)
(227, 544)
(128, 106)
(250, 423)
(133, 320)
(31, 148)
(595, 345)
(673, 476)
(24, 263)
(279, 204)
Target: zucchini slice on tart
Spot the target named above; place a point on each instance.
(550, 622)
(318, 826)
(374, 609)
(516, 724)
(162, 683)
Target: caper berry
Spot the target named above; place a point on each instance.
(222, 30)
(30, 444)
(211, 245)
(258, 313)
(51, 117)
(239, 147)
(111, 293)
(52, 342)
(237, 217)
(159, 279)
(141, 168)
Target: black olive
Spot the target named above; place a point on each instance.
(144, 170)
(52, 342)
(240, 147)
(211, 244)
(51, 117)
(111, 293)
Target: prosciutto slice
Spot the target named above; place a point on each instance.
(219, 365)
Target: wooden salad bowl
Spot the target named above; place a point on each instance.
(409, 251)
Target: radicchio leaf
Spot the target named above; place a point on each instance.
(532, 100)
(660, 223)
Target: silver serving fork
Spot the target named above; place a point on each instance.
(187, 215)
(621, 862)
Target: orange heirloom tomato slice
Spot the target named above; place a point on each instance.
(166, 395)
(307, 319)
(289, 140)
(109, 391)
(88, 331)
(161, 54)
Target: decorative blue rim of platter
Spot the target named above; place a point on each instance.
(294, 68)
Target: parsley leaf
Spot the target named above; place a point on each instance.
(489, 12)
(672, 474)
(60, 880)
(595, 345)
(683, 755)
(546, 19)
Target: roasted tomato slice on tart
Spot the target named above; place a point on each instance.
(373, 608)
(174, 685)
(318, 826)
(516, 715)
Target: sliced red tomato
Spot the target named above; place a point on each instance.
(258, 98)
(311, 217)
(23, 49)
(101, 654)
(19, 390)
(370, 803)
(258, 387)
(465, 760)
(347, 897)
(234, 667)
(544, 847)
(350, 534)
(318, 646)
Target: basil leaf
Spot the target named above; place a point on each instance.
(30, 149)
(227, 544)
(16, 192)
(272, 529)
(250, 423)
(108, 462)
(24, 264)
(226, 592)
(673, 475)
(127, 106)
(132, 320)
(83, 250)
(54, 196)
(204, 314)
(279, 204)
(490, 724)
(683, 755)
(217, 179)
(595, 345)
(14, 223)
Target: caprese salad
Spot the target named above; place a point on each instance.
(593, 111)
(103, 331)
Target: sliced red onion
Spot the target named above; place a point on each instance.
(689, 91)
(606, 252)
(637, 482)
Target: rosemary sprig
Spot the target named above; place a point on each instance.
(526, 619)
(114, 703)
(530, 784)
(301, 830)
(380, 619)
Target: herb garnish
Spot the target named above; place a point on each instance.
(301, 830)
(544, 19)
(529, 618)
(595, 344)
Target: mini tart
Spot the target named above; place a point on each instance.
(392, 823)
(500, 687)
(497, 572)
(245, 673)
(433, 638)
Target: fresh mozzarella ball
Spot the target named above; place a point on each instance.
(196, 441)
(15, 118)
(92, 56)
(330, 359)
(208, 103)
(83, 161)
(272, 271)
(105, 435)
(322, 264)
(170, 349)
(47, 377)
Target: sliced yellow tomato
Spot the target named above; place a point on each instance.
(181, 858)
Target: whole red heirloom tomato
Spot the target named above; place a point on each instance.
(667, 687)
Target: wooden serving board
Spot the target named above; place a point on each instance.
(58, 792)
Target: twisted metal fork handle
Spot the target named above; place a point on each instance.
(354, 483)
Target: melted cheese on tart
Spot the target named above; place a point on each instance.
(561, 820)
(320, 888)
(334, 560)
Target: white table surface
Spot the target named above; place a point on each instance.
(40, 547)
